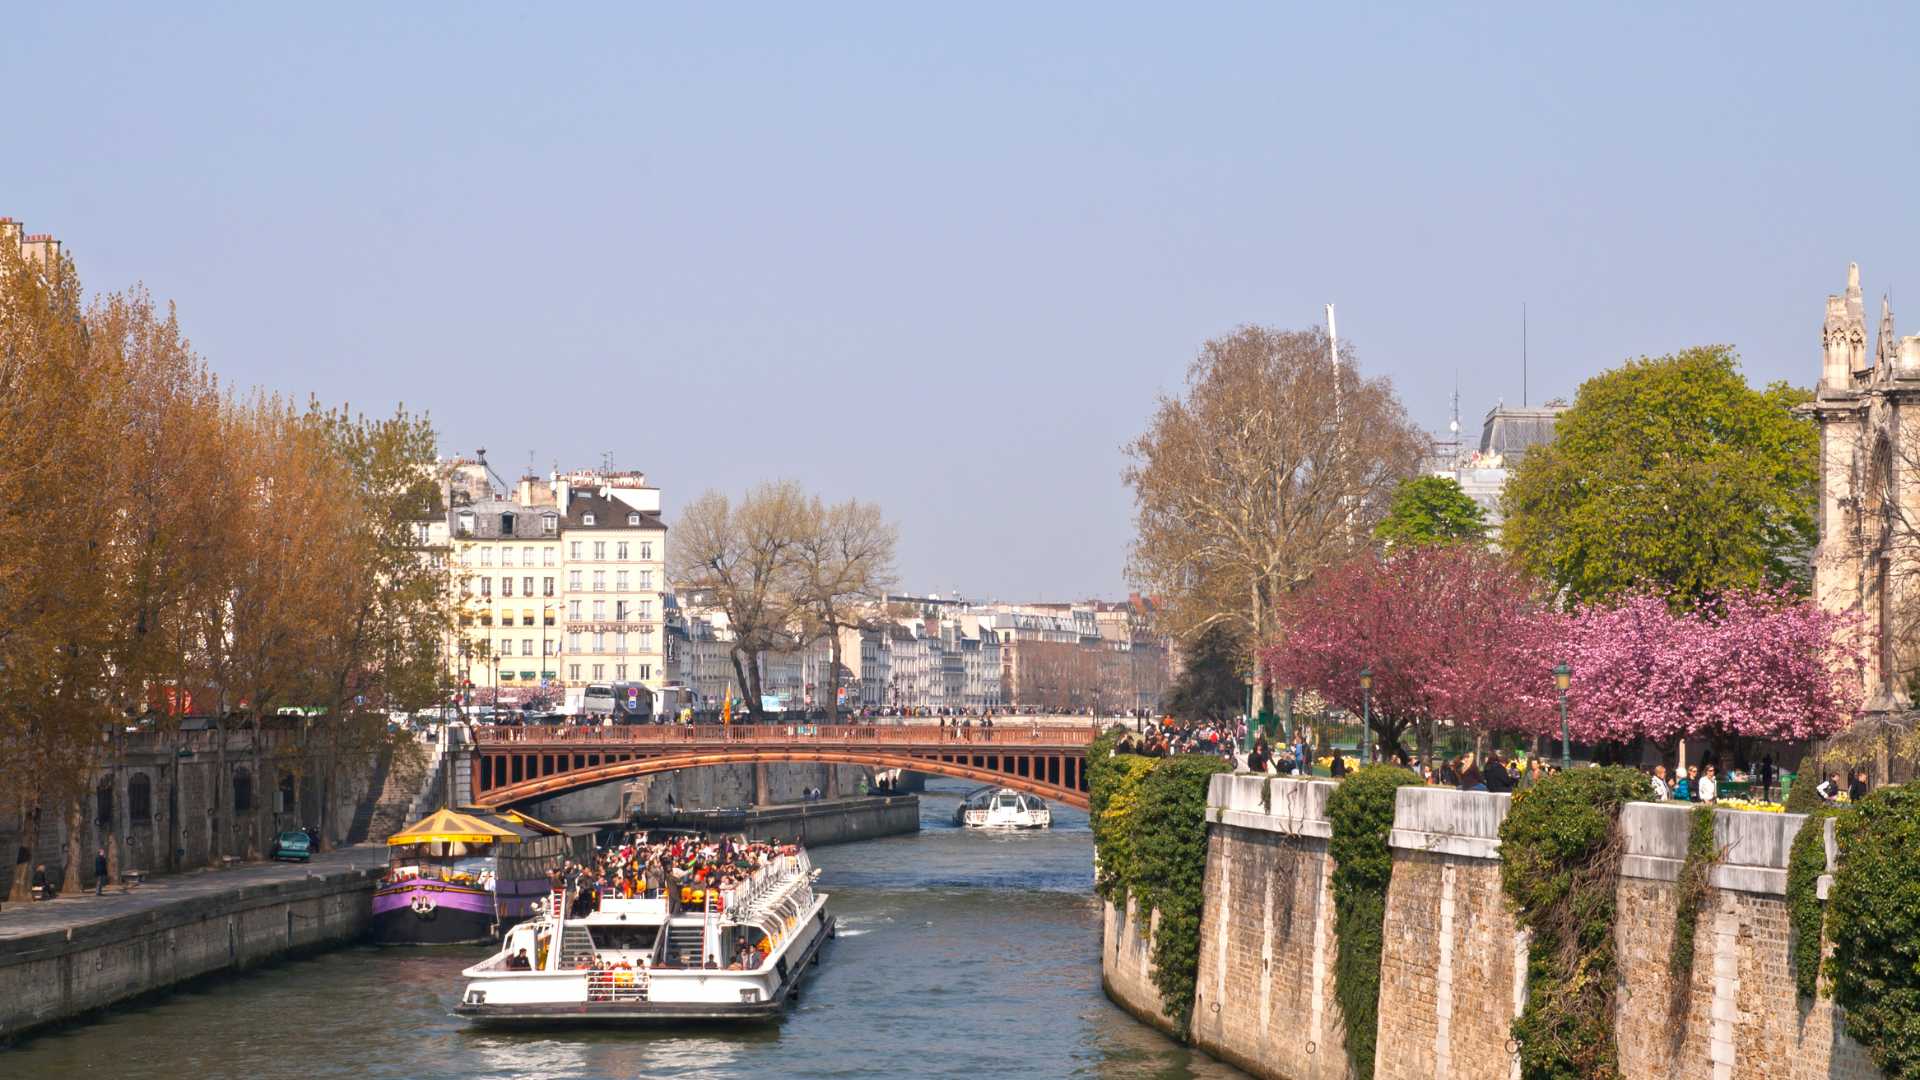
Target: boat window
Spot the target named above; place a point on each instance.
(1035, 803)
(623, 937)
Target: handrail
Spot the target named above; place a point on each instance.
(1011, 734)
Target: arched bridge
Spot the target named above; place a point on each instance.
(513, 764)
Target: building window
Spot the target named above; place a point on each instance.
(486, 555)
(506, 556)
(619, 581)
(599, 549)
(506, 586)
(646, 551)
(620, 551)
(620, 672)
(549, 523)
(526, 556)
(599, 641)
(573, 642)
(526, 646)
(599, 581)
(466, 523)
(573, 610)
(546, 614)
(646, 579)
(619, 641)
(599, 672)
(633, 519)
(620, 610)
(546, 556)
(574, 551)
(526, 586)
(646, 640)
(573, 580)
(486, 586)
(646, 609)
(506, 524)
(546, 586)
(573, 672)
(599, 610)
(646, 672)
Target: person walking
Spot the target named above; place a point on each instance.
(99, 871)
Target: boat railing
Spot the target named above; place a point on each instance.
(618, 984)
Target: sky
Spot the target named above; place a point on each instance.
(945, 258)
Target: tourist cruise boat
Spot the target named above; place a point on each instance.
(462, 876)
(1002, 808)
(632, 961)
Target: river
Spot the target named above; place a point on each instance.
(960, 954)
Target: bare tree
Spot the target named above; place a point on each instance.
(1273, 464)
(845, 565)
(742, 560)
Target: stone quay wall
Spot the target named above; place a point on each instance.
(63, 973)
(815, 824)
(1453, 962)
(1126, 965)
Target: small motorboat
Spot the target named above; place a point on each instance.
(1002, 808)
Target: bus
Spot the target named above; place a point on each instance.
(618, 703)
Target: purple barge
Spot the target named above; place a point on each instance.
(464, 876)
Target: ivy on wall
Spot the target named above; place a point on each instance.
(1560, 865)
(1149, 820)
(1689, 894)
(1361, 812)
(1806, 912)
(1873, 920)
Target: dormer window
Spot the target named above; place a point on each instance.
(549, 523)
(506, 524)
(633, 519)
(466, 523)
(586, 519)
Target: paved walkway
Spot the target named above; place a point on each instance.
(21, 921)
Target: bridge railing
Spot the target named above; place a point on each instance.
(1009, 734)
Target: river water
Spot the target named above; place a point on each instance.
(960, 954)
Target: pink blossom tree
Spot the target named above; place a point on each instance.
(1453, 635)
(1756, 664)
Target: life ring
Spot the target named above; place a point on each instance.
(423, 905)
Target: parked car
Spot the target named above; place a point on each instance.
(292, 846)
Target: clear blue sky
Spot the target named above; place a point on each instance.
(945, 260)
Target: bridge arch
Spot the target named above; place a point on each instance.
(1063, 781)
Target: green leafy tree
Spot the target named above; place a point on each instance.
(1431, 510)
(1670, 474)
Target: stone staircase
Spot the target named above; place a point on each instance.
(401, 784)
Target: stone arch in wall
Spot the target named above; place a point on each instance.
(242, 789)
(140, 799)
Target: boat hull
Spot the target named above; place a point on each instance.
(432, 913)
(640, 1014)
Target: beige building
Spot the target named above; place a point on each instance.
(40, 248)
(558, 586)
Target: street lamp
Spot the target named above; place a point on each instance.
(1366, 710)
(1562, 676)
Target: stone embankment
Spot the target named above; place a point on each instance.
(65, 958)
(815, 824)
(1453, 971)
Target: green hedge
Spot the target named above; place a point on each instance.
(1149, 821)
(1560, 865)
(1806, 912)
(1873, 919)
(1361, 812)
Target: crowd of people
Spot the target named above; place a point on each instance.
(1495, 771)
(681, 869)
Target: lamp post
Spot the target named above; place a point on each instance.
(1366, 711)
(1562, 676)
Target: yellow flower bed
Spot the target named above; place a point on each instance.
(1742, 804)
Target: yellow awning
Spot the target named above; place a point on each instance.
(451, 827)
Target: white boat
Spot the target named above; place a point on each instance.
(1003, 808)
(731, 954)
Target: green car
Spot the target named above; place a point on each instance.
(292, 846)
